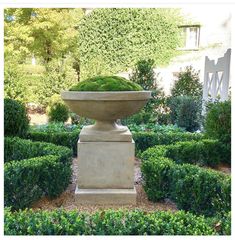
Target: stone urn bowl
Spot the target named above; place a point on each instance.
(106, 107)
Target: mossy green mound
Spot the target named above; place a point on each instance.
(106, 83)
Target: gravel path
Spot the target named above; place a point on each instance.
(66, 200)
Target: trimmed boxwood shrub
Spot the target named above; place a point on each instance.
(34, 169)
(191, 187)
(205, 152)
(144, 140)
(67, 139)
(16, 121)
(109, 222)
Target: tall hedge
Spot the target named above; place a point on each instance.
(112, 40)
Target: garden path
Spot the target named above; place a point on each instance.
(66, 200)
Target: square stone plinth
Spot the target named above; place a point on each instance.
(106, 165)
(105, 196)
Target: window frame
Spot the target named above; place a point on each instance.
(196, 48)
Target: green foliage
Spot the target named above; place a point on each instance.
(158, 172)
(185, 112)
(59, 76)
(16, 121)
(109, 222)
(144, 75)
(218, 125)
(112, 40)
(222, 223)
(218, 121)
(57, 111)
(143, 135)
(34, 169)
(205, 191)
(157, 128)
(188, 84)
(35, 32)
(56, 133)
(14, 86)
(106, 83)
(45, 32)
(144, 140)
(200, 190)
(206, 152)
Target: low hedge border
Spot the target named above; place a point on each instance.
(143, 140)
(192, 188)
(205, 152)
(67, 139)
(34, 169)
(111, 222)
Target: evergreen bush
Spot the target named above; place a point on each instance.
(57, 110)
(16, 120)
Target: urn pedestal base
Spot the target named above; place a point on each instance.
(105, 196)
(105, 170)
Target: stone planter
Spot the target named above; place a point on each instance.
(105, 149)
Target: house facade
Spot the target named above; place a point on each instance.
(207, 32)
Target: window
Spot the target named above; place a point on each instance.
(190, 36)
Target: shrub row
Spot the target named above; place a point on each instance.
(144, 140)
(110, 222)
(205, 152)
(200, 190)
(33, 170)
(67, 139)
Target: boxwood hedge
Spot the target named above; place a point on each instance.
(67, 139)
(34, 169)
(200, 190)
(109, 222)
(205, 152)
(143, 140)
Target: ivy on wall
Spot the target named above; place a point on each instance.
(113, 40)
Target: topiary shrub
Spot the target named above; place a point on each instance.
(57, 111)
(106, 83)
(33, 170)
(185, 112)
(192, 188)
(114, 39)
(144, 140)
(56, 133)
(188, 84)
(16, 121)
